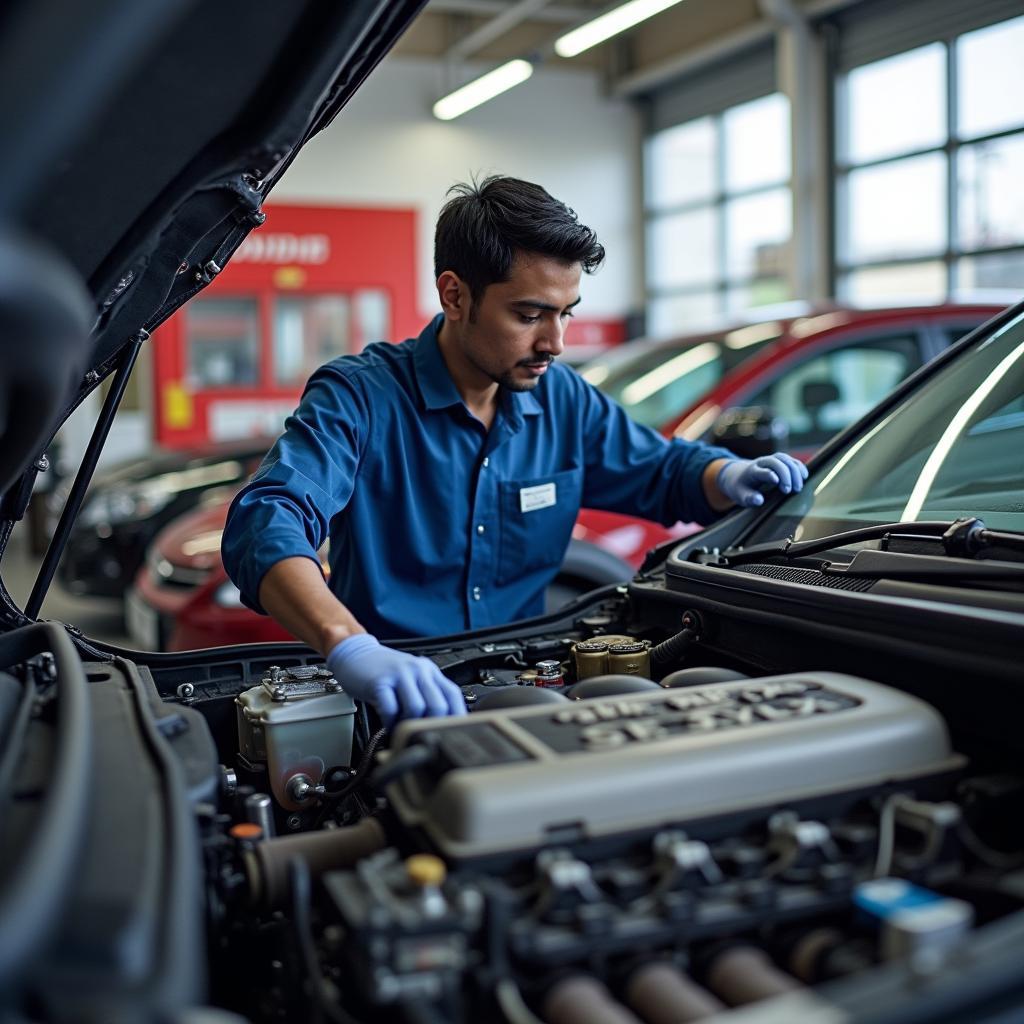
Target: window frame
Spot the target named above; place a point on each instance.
(952, 252)
(720, 283)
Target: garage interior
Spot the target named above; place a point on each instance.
(740, 161)
(758, 765)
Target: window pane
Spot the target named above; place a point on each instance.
(222, 339)
(681, 314)
(994, 270)
(757, 143)
(897, 209)
(896, 105)
(912, 282)
(665, 382)
(823, 395)
(682, 249)
(991, 196)
(372, 318)
(990, 78)
(308, 331)
(765, 292)
(681, 164)
(757, 231)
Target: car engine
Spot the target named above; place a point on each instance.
(620, 831)
(592, 844)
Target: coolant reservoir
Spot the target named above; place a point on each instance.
(612, 654)
(299, 723)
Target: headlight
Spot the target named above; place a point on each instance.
(227, 596)
(123, 506)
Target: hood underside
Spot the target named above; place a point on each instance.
(142, 143)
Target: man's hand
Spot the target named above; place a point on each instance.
(745, 481)
(398, 685)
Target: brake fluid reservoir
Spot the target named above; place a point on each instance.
(297, 722)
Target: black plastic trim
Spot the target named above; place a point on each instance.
(33, 893)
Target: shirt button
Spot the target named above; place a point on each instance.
(480, 528)
(487, 461)
(476, 593)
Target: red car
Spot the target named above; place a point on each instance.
(808, 376)
(182, 599)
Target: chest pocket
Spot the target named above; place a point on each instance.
(536, 521)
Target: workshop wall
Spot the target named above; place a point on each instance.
(557, 129)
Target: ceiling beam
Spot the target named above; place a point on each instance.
(556, 14)
(514, 14)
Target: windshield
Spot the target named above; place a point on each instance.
(954, 447)
(659, 384)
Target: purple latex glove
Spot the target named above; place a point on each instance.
(397, 684)
(745, 481)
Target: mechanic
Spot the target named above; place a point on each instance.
(447, 471)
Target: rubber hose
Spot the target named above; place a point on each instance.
(743, 974)
(662, 994)
(328, 850)
(671, 650)
(579, 999)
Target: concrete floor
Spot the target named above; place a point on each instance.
(100, 618)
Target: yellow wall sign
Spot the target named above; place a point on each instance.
(289, 277)
(179, 411)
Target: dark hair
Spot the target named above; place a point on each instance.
(484, 225)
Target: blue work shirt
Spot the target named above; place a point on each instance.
(436, 524)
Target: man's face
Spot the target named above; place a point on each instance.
(519, 325)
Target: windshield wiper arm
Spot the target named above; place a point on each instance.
(960, 538)
(892, 565)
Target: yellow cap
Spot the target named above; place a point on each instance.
(425, 869)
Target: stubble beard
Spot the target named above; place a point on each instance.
(511, 383)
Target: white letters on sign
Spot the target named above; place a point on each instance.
(282, 247)
(533, 498)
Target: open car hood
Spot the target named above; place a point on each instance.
(140, 139)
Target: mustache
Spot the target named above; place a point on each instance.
(542, 361)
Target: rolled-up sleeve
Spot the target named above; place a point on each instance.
(306, 479)
(634, 470)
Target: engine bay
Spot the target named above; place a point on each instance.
(625, 828)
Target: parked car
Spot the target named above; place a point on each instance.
(127, 505)
(786, 384)
(787, 776)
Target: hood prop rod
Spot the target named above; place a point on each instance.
(84, 476)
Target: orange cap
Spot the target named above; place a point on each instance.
(245, 830)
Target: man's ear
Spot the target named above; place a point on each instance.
(454, 294)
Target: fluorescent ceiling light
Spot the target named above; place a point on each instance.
(482, 89)
(608, 25)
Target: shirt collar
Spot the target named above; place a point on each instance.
(435, 382)
(438, 389)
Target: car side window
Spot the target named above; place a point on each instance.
(821, 395)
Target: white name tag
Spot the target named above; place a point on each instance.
(533, 498)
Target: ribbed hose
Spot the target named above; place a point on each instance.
(669, 651)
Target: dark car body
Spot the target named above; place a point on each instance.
(828, 831)
(128, 505)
